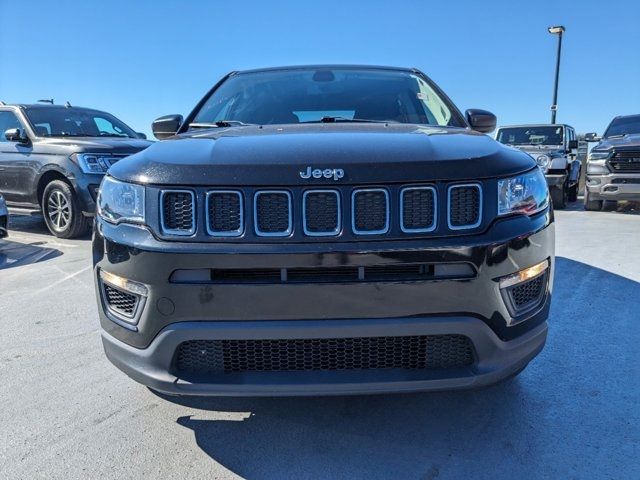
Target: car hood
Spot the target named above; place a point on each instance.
(367, 153)
(630, 141)
(93, 144)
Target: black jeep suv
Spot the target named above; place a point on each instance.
(323, 230)
(53, 158)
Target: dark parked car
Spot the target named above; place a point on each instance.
(4, 218)
(613, 166)
(324, 230)
(52, 158)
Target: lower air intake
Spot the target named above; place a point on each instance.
(426, 352)
(121, 302)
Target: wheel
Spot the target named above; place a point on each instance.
(591, 205)
(609, 205)
(558, 197)
(572, 194)
(62, 212)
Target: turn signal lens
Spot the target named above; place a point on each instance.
(524, 275)
(123, 283)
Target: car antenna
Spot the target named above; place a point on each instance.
(50, 100)
(67, 105)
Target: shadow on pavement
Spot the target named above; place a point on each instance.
(15, 254)
(31, 222)
(571, 414)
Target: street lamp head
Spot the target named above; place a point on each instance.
(557, 29)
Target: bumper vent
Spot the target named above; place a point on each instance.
(526, 296)
(324, 354)
(418, 209)
(178, 212)
(272, 210)
(321, 212)
(465, 206)
(625, 162)
(121, 302)
(370, 211)
(225, 213)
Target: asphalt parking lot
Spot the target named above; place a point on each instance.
(573, 413)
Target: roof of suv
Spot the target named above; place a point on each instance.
(327, 66)
(536, 125)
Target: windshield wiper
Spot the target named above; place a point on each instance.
(220, 123)
(330, 119)
(620, 135)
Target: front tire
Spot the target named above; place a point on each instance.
(572, 196)
(590, 204)
(559, 197)
(61, 211)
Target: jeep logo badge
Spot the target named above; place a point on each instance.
(335, 173)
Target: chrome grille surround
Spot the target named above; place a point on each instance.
(359, 191)
(256, 219)
(434, 223)
(224, 233)
(174, 231)
(449, 207)
(327, 233)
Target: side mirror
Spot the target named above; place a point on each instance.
(573, 144)
(16, 135)
(591, 137)
(481, 120)
(141, 135)
(166, 126)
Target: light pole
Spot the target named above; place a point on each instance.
(556, 30)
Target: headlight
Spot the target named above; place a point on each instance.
(543, 161)
(596, 162)
(527, 193)
(121, 202)
(94, 162)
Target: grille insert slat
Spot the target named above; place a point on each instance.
(272, 213)
(321, 212)
(178, 212)
(627, 161)
(418, 209)
(225, 216)
(464, 206)
(418, 352)
(370, 211)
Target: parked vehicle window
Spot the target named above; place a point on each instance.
(76, 122)
(544, 135)
(623, 126)
(308, 95)
(8, 120)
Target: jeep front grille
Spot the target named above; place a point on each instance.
(627, 161)
(178, 212)
(340, 213)
(419, 352)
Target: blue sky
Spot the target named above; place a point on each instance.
(140, 60)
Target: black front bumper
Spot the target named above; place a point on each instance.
(178, 312)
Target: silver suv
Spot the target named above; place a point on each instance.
(555, 150)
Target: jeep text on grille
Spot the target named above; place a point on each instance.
(324, 230)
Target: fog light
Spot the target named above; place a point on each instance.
(524, 275)
(123, 283)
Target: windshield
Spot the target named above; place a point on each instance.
(545, 135)
(623, 126)
(76, 122)
(314, 95)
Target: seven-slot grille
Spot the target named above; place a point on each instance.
(178, 212)
(465, 206)
(225, 216)
(625, 161)
(321, 212)
(370, 211)
(273, 213)
(425, 352)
